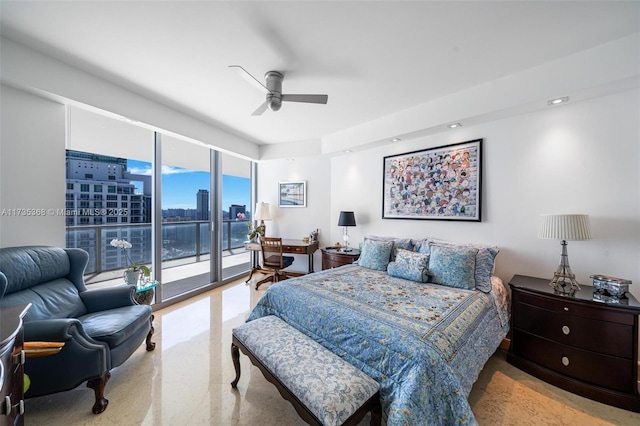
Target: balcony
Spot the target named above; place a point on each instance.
(186, 251)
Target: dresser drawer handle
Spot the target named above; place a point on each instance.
(566, 330)
(19, 358)
(565, 361)
(566, 309)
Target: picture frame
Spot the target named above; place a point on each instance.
(292, 194)
(441, 183)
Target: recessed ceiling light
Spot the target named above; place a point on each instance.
(454, 125)
(347, 151)
(557, 101)
(396, 140)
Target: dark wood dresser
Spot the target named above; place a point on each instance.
(577, 343)
(12, 360)
(332, 258)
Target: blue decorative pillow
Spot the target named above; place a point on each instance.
(453, 266)
(401, 244)
(421, 246)
(485, 259)
(398, 243)
(410, 266)
(375, 254)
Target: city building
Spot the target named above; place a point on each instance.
(202, 205)
(100, 192)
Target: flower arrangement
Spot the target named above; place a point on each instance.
(133, 266)
(255, 231)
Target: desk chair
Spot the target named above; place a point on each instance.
(273, 259)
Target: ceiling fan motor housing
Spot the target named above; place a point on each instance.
(274, 85)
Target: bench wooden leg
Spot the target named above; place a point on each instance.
(376, 414)
(235, 356)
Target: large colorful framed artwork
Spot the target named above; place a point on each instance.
(292, 194)
(443, 183)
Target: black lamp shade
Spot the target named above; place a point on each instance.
(347, 219)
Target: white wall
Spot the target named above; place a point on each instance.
(581, 157)
(32, 159)
(298, 222)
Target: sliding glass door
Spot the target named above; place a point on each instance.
(186, 217)
(236, 215)
(183, 206)
(108, 193)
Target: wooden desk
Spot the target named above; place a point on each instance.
(289, 247)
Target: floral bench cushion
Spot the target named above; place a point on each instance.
(328, 386)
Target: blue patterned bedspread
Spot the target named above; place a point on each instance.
(424, 343)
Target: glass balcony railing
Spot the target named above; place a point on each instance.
(179, 240)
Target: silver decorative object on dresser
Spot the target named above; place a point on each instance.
(611, 286)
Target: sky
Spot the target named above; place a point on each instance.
(180, 186)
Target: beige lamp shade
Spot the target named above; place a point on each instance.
(262, 211)
(567, 227)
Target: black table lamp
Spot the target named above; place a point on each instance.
(346, 219)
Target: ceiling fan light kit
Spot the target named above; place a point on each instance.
(273, 91)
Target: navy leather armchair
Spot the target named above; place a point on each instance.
(100, 328)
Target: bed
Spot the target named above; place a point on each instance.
(424, 342)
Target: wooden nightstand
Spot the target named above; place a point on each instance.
(332, 258)
(579, 344)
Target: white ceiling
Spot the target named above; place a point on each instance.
(373, 59)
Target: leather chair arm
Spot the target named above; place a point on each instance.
(102, 299)
(59, 330)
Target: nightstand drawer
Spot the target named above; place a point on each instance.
(334, 259)
(598, 369)
(571, 307)
(599, 336)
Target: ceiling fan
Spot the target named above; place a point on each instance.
(273, 91)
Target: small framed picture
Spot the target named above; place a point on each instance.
(292, 194)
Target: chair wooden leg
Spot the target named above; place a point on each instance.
(150, 345)
(98, 388)
(270, 278)
(251, 274)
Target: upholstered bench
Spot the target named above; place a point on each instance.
(323, 388)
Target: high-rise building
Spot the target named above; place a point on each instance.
(202, 205)
(100, 192)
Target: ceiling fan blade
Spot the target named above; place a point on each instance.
(312, 99)
(251, 79)
(262, 108)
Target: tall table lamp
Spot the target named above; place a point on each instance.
(565, 227)
(346, 219)
(262, 214)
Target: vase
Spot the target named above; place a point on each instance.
(131, 277)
